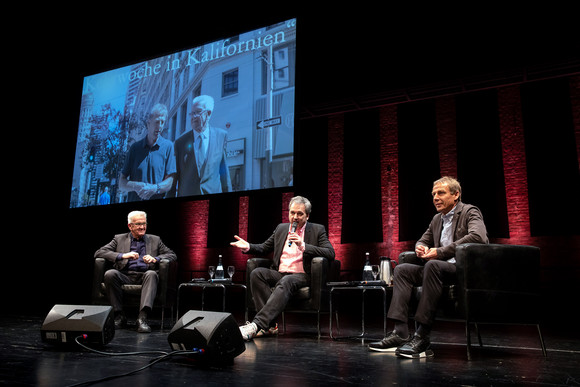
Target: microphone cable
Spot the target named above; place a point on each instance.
(163, 356)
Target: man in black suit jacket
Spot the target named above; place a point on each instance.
(135, 256)
(293, 251)
(454, 224)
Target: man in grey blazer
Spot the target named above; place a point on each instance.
(454, 224)
(200, 154)
(135, 256)
(293, 248)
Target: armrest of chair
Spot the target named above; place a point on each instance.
(167, 277)
(318, 275)
(98, 275)
(164, 270)
(498, 267)
(410, 257)
(99, 269)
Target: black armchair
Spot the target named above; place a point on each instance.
(310, 299)
(496, 284)
(166, 289)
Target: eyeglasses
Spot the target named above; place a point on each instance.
(197, 114)
(139, 224)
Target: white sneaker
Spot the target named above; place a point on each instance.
(249, 330)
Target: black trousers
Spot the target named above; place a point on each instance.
(270, 303)
(115, 279)
(431, 276)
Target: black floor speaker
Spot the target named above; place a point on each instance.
(94, 323)
(216, 335)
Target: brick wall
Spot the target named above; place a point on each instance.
(446, 136)
(514, 162)
(194, 228)
(559, 254)
(389, 146)
(335, 179)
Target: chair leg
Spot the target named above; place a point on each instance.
(318, 323)
(468, 337)
(283, 324)
(478, 335)
(542, 341)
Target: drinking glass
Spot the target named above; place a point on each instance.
(231, 271)
(375, 270)
(211, 271)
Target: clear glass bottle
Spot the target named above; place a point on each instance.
(219, 270)
(367, 270)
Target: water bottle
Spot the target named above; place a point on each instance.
(219, 270)
(367, 270)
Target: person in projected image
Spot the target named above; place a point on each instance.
(105, 198)
(150, 163)
(135, 257)
(200, 154)
(454, 224)
(293, 251)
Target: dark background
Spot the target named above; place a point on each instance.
(345, 58)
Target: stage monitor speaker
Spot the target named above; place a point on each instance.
(64, 323)
(216, 334)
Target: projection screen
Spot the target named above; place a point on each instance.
(139, 124)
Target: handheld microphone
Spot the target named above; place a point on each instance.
(294, 225)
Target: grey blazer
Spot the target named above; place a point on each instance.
(214, 176)
(467, 227)
(121, 243)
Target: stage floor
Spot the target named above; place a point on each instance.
(510, 356)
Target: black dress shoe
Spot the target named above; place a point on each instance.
(142, 326)
(419, 347)
(120, 321)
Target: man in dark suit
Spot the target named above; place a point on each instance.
(135, 256)
(293, 249)
(200, 154)
(455, 223)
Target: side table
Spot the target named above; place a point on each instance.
(224, 285)
(363, 289)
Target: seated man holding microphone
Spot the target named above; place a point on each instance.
(293, 244)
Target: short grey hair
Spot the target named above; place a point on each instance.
(301, 200)
(158, 109)
(133, 214)
(451, 182)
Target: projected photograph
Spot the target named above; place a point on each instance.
(211, 119)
